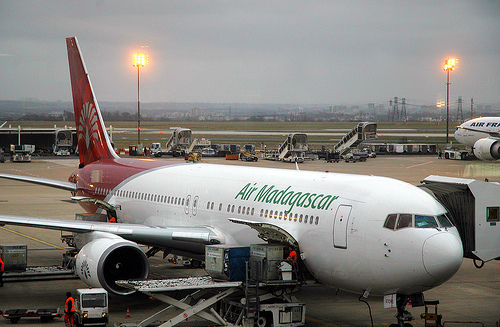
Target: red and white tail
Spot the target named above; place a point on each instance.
(93, 140)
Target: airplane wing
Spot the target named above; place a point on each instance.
(148, 235)
(64, 185)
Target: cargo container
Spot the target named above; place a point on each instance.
(226, 262)
(265, 260)
(14, 256)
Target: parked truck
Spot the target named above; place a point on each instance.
(91, 307)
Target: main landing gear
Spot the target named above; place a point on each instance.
(403, 315)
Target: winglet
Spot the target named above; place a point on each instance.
(93, 140)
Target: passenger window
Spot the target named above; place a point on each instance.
(252, 212)
(390, 221)
(311, 220)
(305, 219)
(317, 220)
(444, 221)
(492, 214)
(425, 222)
(220, 206)
(405, 220)
(300, 218)
(265, 214)
(281, 215)
(212, 206)
(228, 207)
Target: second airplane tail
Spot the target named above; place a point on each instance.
(93, 140)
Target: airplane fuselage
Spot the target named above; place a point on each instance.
(482, 135)
(471, 131)
(337, 219)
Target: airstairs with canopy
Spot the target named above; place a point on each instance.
(294, 147)
(362, 131)
(180, 139)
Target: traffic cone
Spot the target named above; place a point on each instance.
(128, 313)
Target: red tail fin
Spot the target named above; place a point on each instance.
(93, 140)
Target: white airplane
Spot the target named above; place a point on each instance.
(363, 234)
(482, 135)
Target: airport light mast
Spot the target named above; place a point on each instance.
(449, 64)
(140, 60)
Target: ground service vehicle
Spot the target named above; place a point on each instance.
(91, 307)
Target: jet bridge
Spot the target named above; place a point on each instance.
(358, 134)
(474, 207)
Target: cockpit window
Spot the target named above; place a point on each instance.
(405, 220)
(390, 222)
(444, 221)
(425, 222)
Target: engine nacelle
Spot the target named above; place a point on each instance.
(105, 260)
(487, 149)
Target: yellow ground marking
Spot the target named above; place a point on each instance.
(33, 238)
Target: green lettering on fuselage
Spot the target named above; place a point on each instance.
(287, 197)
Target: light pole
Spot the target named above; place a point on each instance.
(449, 64)
(139, 61)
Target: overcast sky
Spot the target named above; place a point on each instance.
(271, 51)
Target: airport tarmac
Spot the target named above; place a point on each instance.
(472, 295)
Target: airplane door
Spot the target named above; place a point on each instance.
(340, 226)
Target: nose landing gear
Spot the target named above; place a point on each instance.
(403, 316)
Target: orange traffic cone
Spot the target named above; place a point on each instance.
(128, 313)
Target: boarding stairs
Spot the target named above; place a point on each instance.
(354, 137)
(294, 146)
(181, 137)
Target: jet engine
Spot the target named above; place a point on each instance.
(103, 261)
(487, 149)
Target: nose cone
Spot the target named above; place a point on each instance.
(459, 135)
(442, 255)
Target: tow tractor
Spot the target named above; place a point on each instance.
(456, 154)
(356, 156)
(21, 153)
(91, 307)
(248, 156)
